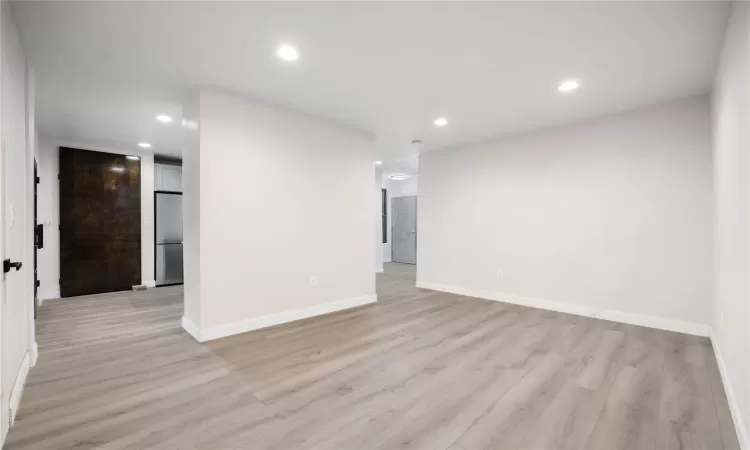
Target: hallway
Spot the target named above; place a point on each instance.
(419, 370)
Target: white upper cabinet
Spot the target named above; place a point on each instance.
(168, 178)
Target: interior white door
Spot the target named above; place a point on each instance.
(3, 395)
(16, 295)
(404, 220)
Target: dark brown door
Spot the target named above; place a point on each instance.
(100, 222)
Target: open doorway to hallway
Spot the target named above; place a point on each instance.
(399, 233)
(399, 222)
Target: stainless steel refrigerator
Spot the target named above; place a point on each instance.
(168, 208)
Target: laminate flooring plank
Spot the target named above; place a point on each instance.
(420, 370)
(688, 418)
(723, 414)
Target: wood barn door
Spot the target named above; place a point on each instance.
(100, 222)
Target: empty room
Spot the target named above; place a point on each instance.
(365, 225)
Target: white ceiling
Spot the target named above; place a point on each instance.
(105, 69)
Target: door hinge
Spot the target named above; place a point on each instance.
(38, 283)
(37, 180)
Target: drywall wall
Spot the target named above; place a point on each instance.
(397, 188)
(47, 155)
(191, 214)
(16, 176)
(148, 249)
(49, 216)
(404, 188)
(286, 215)
(608, 216)
(731, 119)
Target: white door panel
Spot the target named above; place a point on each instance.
(16, 230)
(404, 220)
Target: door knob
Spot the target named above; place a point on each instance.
(7, 265)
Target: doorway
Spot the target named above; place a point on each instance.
(404, 235)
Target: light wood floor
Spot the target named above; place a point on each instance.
(418, 370)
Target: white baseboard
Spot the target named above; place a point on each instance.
(579, 310)
(48, 295)
(220, 331)
(14, 401)
(150, 283)
(192, 329)
(734, 407)
(378, 270)
(33, 355)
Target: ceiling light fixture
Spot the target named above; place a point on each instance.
(287, 53)
(377, 163)
(133, 158)
(144, 145)
(568, 85)
(117, 169)
(398, 176)
(164, 118)
(441, 122)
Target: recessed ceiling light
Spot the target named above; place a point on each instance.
(441, 122)
(144, 145)
(568, 85)
(133, 158)
(377, 163)
(163, 118)
(398, 176)
(287, 53)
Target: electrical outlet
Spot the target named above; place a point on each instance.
(313, 281)
(500, 272)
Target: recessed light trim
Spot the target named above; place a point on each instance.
(568, 85)
(163, 118)
(440, 122)
(133, 157)
(398, 176)
(144, 145)
(378, 163)
(287, 53)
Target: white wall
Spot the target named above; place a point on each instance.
(191, 214)
(612, 215)
(283, 197)
(404, 188)
(48, 215)
(731, 115)
(49, 212)
(397, 188)
(147, 220)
